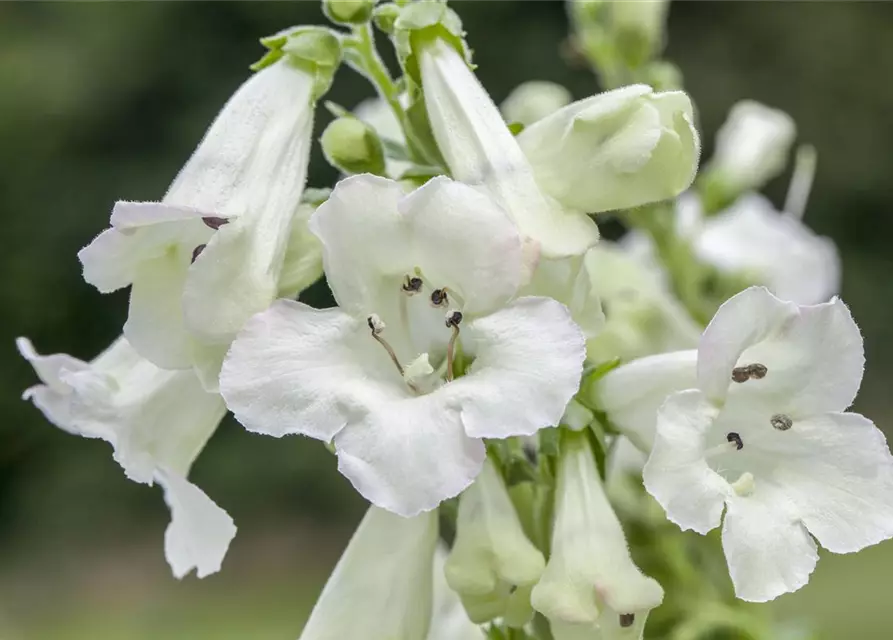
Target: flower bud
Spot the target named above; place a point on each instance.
(385, 16)
(615, 150)
(752, 147)
(638, 29)
(348, 12)
(352, 146)
(534, 100)
(492, 565)
(590, 587)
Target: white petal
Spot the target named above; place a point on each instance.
(381, 588)
(837, 472)
(768, 553)
(533, 100)
(752, 237)
(570, 282)
(110, 262)
(409, 456)
(813, 354)
(528, 362)
(677, 474)
(132, 215)
(632, 393)
(53, 397)
(155, 324)
(302, 265)
(448, 618)
(199, 533)
(295, 369)
(480, 150)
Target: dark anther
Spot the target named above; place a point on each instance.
(627, 619)
(513, 588)
(754, 371)
(781, 422)
(758, 371)
(371, 324)
(530, 453)
(215, 222)
(439, 297)
(740, 374)
(734, 437)
(454, 319)
(197, 251)
(412, 285)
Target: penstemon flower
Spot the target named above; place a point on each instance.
(425, 285)
(209, 255)
(157, 423)
(765, 435)
(590, 588)
(382, 587)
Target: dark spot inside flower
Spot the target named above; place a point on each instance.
(758, 371)
(412, 285)
(781, 422)
(627, 619)
(734, 437)
(215, 222)
(530, 453)
(454, 319)
(740, 374)
(754, 371)
(439, 297)
(198, 251)
(513, 588)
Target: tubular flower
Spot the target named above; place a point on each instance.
(766, 438)
(428, 352)
(591, 589)
(209, 255)
(157, 422)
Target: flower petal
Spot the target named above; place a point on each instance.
(632, 393)
(295, 369)
(199, 533)
(813, 354)
(677, 474)
(409, 456)
(768, 552)
(131, 215)
(528, 362)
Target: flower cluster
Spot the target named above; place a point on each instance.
(490, 360)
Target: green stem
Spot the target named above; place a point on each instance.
(377, 71)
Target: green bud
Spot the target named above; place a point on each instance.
(314, 49)
(348, 12)
(353, 146)
(385, 16)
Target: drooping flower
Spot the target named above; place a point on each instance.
(590, 588)
(157, 422)
(425, 284)
(209, 255)
(492, 565)
(381, 588)
(766, 437)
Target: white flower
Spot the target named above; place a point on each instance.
(752, 145)
(615, 150)
(448, 618)
(492, 565)
(764, 435)
(480, 150)
(381, 588)
(591, 588)
(427, 277)
(157, 421)
(534, 100)
(208, 256)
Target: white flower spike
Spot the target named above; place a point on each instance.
(157, 422)
(425, 283)
(591, 588)
(209, 256)
(492, 565)
(381, 588)
(765, 435)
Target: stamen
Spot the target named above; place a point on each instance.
(453, 318)
(627, 619)
(734, 437)
(439, 297)
(754, 371)
(197, 252)
(781, 422)
(377, 326)
(215, 222)
(412, 285)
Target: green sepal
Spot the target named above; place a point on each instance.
(316, 50)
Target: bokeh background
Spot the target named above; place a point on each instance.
(100, 101)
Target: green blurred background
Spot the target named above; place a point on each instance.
(100, 101)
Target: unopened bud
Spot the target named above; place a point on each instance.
(385, 16)
(348, 11)
(353, 146)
